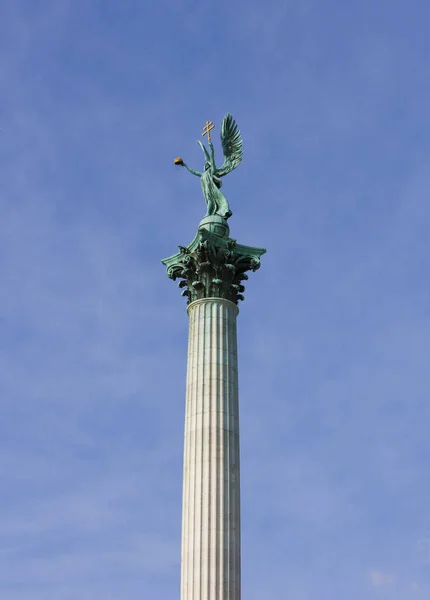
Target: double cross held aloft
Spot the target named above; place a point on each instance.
(207, 129)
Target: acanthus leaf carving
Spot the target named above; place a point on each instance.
(213, 266)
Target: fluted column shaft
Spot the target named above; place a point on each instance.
(211, 488)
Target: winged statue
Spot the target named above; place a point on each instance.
(210, 179)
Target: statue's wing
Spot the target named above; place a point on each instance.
(231, 141)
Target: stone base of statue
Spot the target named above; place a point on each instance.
(212, 269)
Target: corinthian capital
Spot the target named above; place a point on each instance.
(213, 265)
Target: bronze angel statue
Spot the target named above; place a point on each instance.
(210, 179)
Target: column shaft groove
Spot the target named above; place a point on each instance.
(211, 488)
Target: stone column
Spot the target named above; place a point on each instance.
(211, 489)
(212, 269)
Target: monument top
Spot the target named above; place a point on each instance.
(214, 265)
(210, 178)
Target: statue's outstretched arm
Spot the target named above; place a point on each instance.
(192, 170)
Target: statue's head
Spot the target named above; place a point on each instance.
(207, 165)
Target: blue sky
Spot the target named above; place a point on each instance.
(332, 99)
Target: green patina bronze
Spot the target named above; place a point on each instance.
(210, 179)
(214, 265)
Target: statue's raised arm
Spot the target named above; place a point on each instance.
(231, 142)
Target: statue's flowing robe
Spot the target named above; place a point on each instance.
(216, 202)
